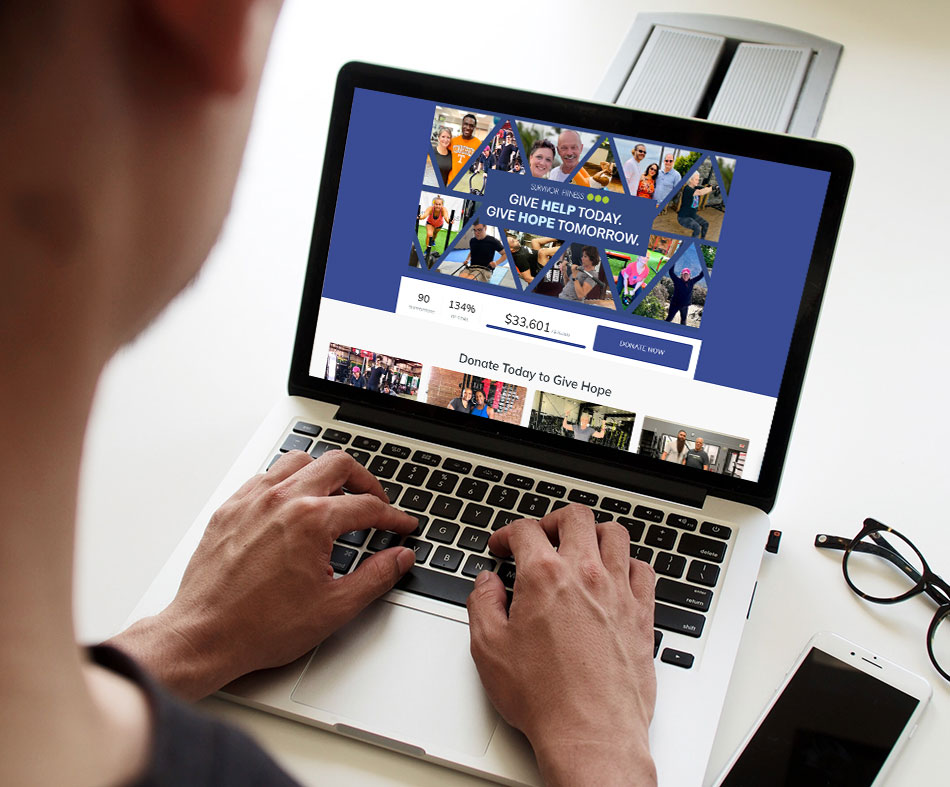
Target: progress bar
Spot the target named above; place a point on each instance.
(535, 336)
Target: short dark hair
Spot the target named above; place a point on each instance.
(478, 223)
(470, 115)
(592, 254)
(542, 143)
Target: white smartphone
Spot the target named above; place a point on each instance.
(839, 718)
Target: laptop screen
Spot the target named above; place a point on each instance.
(633, 292)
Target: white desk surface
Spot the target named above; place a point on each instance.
(176, 407)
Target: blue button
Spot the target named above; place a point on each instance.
(638, 347)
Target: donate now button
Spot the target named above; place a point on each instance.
(638, 347)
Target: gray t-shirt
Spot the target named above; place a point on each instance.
(569, 293)
(583, 434)
(697, 459)
(460, 406)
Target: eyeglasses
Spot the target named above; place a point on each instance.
(883, 566)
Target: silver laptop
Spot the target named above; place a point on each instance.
(514, 302)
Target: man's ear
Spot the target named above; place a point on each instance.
(208, 35)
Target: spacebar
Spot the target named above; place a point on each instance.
(435, 584)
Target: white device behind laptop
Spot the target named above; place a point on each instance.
(401, 675)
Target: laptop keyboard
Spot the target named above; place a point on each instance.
(459, 503)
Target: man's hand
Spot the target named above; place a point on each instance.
(571, 663)
(259, 591)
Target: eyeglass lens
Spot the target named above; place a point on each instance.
(940, 644)
(883, 565)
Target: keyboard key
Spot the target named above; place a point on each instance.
(503, 518)
(383, 467)
(475, 540)
(443, 482)
(457, 466)
(639, 552)
(519, 481)
(682, 522)
(580, 496)
(551, 490)
(705, 548)
(677, 657)
(634, 527)
(503, 497)
(559, 504)
(488, 473)
(416, 499)
(679, 620)
(446, 507)
(437, 585)
(412, 474)
(683, 595)
(360, 456)
(660, 537)
(341, 558)
(296, 442)
(533, 505)
(354, 538)
(421, 548)
(321, 448)
(399, 451)
(336, 436)
(447, 559)
(392, 490)
(617, 506)
(475, 514)
(657, 639)
(507, 573)
(603, 516)
(651, 514)
(476, 564)
(716, 531)
(669, 564)
(426, 458)
(703, 573)
(470, 489)
(383, 539)
(366, 443)
(442, 531)
(422, 520)
(302, 427)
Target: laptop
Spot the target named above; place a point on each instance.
(514, 302)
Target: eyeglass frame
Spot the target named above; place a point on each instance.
(928, 582)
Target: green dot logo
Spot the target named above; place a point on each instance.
(606, 200)
(598, 198)
(590, 197)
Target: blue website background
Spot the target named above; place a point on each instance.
(764, 247)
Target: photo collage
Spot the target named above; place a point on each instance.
(474, 396)
(472, 162)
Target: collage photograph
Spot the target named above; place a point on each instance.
(579, 276)
(693, 447)
(680, 295)
(588, 422)
(373, 371)
(479, 397)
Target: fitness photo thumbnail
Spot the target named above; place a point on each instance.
(500, 154)
(475, 396)
(372, 371)
(588, 422)
(633, 273)
(531, 253)
(600, 171)
(578, 276)
(555, 153)
(438, 220)
(691, 446)
(478, 255)
(697, 207)
(680, 295)
(455, 137)
(652, 171)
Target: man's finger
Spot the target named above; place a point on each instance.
(286, 466)
(614, 541)
(335, 470)
(359, 512)
(576, 531)
(487, 616)
(368, 582)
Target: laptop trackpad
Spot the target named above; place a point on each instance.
(404, 674)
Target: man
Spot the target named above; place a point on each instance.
(99, 230)
(529, 260)
(481, 259)
(375, 377)
(541, 158)
(666, 179)
(463, 146)
(506, 153)
(582, 430)
(462, 403)
(688, 214)
(569, 148)
(632, 171)
(682, 294)
(678, 452)
(697, 457)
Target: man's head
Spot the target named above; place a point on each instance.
(109, 222)
(681, 437)
(468, 126)
(667, 162)
(514, 244)
(699, 443)
(569, 148)
(466, 394)
(479, 229)
(584, 420)
(541, 158)
(639, 152)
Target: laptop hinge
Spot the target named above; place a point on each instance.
(524, 453)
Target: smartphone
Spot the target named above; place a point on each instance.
(839, 718)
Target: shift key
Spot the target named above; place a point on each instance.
(681, 621)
